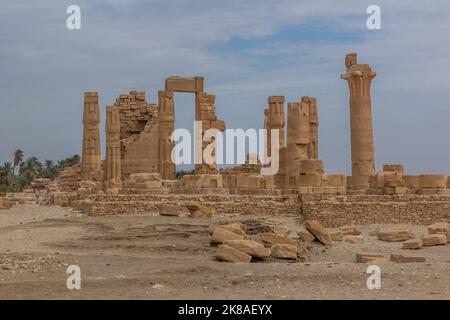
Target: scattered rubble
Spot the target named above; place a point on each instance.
(252, 248)
(220, 235)
(415, 243)
(284, 251)
(394, 235)
(434, 240)
(368, 257)
(228, 254)
(406, 258)
(305, 235)
(318, 231)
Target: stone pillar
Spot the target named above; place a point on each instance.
(313, 152)
(205, 111)
(113, 154)
(166, 117)
(275, 119)
(359, 78)
(91, 163)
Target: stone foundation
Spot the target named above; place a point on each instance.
(110, 204)
(336, 211)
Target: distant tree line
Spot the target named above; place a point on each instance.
(182, 173)
(18, 174)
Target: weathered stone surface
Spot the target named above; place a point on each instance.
(169, 210)
(318, 231)
(366, 257)
(350, 231)
(281, 230)
(61, 199)
(284, 251)
(393, 235)
(250, 247)
(228, 254)
(406, 258)
(200, 211)
(235, 227)
(221, 235)
(440, 228)
(353, 239)
(144, 181)
(434, 240)
(271, 239)
(337, 236)
(305, 235)
(302, 252)
(415, 243)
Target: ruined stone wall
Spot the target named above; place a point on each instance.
(335, 211)
(139, 134)
(109, 204)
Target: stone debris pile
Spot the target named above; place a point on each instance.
(235, 245)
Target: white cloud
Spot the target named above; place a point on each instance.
(136, 44)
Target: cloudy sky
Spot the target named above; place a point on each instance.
(246, 50)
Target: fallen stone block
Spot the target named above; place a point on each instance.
(366, 257)
(200, 211)
(394, 235)
(233, 227)
(440, 228)
(301, 251)
(378, 261)
(434, 240)
(250, 247)
(284, 251)
(413, 244)
(271, 239)
(337, 236)
(281, 230)
(318, 231)
(169, 210)
(353, 239)
(406, 258)
(221, 235)
(350, 231)
(228, 254)
(305, 235)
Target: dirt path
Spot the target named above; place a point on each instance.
(141, 257)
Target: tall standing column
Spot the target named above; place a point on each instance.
(297, 142)
(205, 111)
(113, 156)
(166, 118)
(313, 129)
(359, 78)
(91, 163)
(275, 119)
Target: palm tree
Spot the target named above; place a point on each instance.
(18, 157)
(31, 168)
(48, 164)
(6, 173)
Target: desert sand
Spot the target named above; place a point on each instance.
(147, 257)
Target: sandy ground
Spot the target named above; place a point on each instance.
(141, 257)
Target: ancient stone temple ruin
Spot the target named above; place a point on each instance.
(137, 174)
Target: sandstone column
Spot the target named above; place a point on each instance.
(166, 118)
(359, 78)
(205, 111)
(91, 162)
(113, 154)
(313, 152)
(275, 119)
(297, 142)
